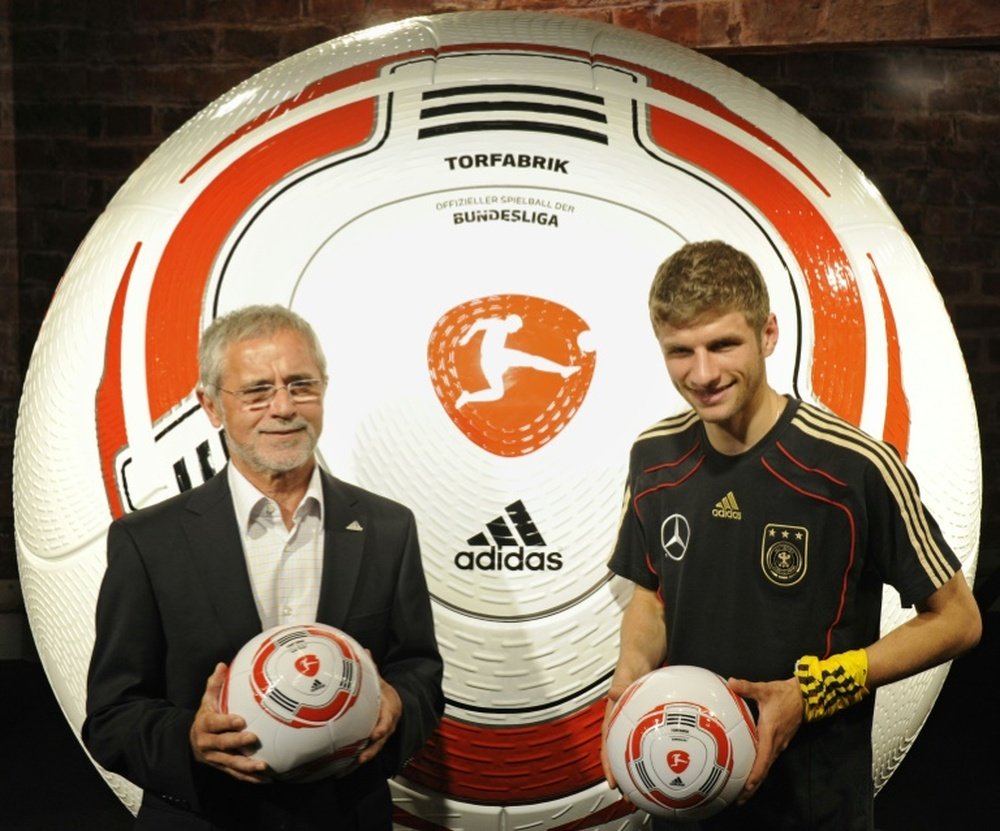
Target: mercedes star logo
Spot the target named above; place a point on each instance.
(675, 534)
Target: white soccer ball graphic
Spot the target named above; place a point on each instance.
(469, 209)
(681, 743)
(311, 695)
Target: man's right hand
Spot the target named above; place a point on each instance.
(643, 649)
(613, 695)
(222, 740)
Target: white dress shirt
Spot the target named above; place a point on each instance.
(285, 565)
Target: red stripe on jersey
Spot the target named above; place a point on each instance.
(850, 560)
(805, 467)
(681, 481)
(681, 460)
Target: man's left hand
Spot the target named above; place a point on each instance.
(779, 714)
(389, 712)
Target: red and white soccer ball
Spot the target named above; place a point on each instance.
(311, 695)
(681, 743)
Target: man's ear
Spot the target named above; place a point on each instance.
(769, 335)
(211, 407)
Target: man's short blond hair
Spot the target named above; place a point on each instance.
(709, 277)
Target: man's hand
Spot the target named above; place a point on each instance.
(613, 695)
(779, 714)
(643, 648)
(389, 713)
(222, 740)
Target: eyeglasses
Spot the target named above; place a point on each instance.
(257, 397)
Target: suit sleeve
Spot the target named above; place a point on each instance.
(131, 728)
(412, 663)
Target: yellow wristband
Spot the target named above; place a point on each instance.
(833, 683)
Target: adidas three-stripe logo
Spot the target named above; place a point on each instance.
(502, 532)
(727, 507)
(511, 542)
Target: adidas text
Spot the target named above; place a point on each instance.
(518, 559)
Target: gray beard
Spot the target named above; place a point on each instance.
(262, 464)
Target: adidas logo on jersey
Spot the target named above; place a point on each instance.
(726, 508)
(511, 542)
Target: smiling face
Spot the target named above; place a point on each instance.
(280, 438)
(716, 362)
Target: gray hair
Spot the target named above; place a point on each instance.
(245, 324)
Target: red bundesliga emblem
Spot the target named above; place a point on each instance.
(308, 665)
(678, 761)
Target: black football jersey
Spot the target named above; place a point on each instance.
(777, 552)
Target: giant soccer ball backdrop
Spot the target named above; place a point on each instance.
(469, 208)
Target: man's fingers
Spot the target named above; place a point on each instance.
(244, 768)
(242, 741)
(758, 771)
(609, 776)
(213, 690)
(613, 695)
(232, 753)
(210, 722)
(372, 749)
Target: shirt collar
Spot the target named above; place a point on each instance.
(248, 501)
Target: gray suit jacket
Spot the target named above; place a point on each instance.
(176, 599)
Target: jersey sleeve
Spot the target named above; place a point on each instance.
(906, 540)
(630, 558)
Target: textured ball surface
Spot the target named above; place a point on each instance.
(681, 743)
(311, 695)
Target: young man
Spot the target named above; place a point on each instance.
(759, 531)
(270, 540)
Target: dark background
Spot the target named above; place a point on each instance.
(908, 89)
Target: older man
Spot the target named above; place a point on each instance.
(272, 539)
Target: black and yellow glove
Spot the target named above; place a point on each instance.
(833, 683)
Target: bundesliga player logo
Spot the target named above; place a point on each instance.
(511, 370)
(678, 761)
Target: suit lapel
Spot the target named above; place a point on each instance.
(218, 555)
(345, 530)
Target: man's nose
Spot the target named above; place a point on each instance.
(282, 403)
(704, 369)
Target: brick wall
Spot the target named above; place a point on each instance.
(88, 90)
(10, 373)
